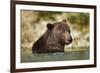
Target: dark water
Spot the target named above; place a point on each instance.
(77, 55)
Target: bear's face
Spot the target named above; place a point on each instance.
(60, 32)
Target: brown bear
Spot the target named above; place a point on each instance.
(54, 39)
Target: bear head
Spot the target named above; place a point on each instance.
(60, 31)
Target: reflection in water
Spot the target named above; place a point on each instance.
(76, 55)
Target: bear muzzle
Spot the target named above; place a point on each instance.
(69, 40)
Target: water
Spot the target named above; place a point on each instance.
(68, 56)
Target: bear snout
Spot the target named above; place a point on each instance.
(69, 40)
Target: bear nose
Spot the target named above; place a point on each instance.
(70, 39)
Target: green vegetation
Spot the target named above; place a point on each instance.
(45, 15)
(80, 19)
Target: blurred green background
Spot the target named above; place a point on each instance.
(33, 25)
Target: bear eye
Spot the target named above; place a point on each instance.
(62, 30)
(66, 30)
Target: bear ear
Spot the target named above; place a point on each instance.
(64, 20)
(50, 26)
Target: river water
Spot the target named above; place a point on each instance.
(68, 56)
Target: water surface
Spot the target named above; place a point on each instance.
(75, 55)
